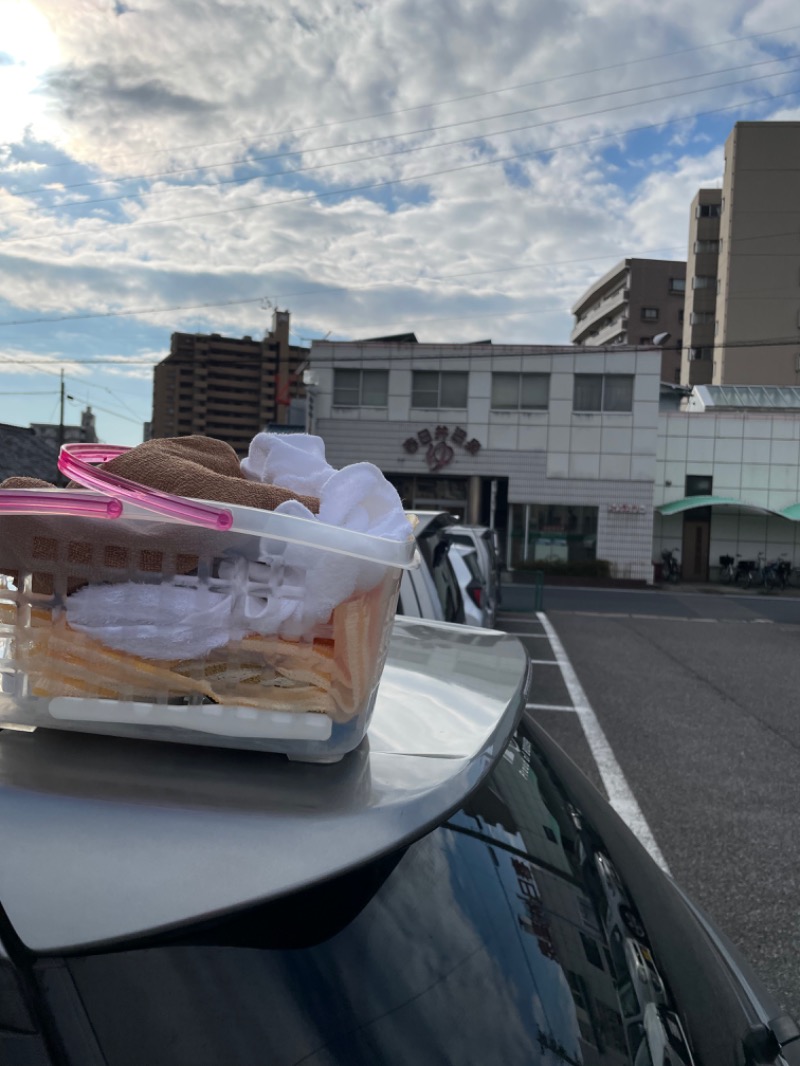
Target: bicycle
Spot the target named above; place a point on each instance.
(727, 574)
(672, 568)
(772, 575)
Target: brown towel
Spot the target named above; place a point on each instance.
(200, 467)
(64, 553)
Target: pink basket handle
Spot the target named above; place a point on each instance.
(78, 504)
(75, 461)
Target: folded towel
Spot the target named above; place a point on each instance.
(199, 467)
(358, 497)
(188, 466)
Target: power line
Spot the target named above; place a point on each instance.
(391, 137)
(461, 99)
(387, 183)
(476, 351)
(142, 311)
(109, 411)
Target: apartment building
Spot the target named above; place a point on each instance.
(553, 447)
(227, 387)
(742, 313)
(758, 303)
(700, 307)
(637, 300)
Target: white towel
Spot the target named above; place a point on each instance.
(166, 621)
(289, 591)
(358, 497)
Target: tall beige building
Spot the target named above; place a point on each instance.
(757, 315)
(227, 387)
(702, 270)
(637, 300)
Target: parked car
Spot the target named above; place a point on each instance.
(484, 540)
(472, 584)
(431, 590)
(435, 898)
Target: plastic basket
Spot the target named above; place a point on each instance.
(132, 612)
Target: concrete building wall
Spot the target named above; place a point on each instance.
(555, 457)
(759, 290)
(702, 264)
(634, 302)
(751, 456)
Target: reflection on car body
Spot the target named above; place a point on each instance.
(477, 611)
(492, 934)
(432, 590)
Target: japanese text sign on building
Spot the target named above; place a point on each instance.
(439, 445)
(626, 508)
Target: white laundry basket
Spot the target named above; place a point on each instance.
(132, 612)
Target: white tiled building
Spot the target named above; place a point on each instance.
(735, 451)
(554, 446)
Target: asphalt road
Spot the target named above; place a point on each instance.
(698, 696)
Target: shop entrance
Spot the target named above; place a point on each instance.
(696, 531)
(694, 557)
(423, 493)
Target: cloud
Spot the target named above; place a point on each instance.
(454, 243)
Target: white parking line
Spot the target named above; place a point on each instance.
(543, 662)
(548, 707)
(617, 788)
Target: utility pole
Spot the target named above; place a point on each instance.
(61, 415)
(61, 479)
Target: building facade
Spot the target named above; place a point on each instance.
(700, 307)
(555, 448)
(758, 305)
(728, 477)
(742, 320)
(634, 302)
(226, 387)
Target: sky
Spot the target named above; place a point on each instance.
(463, 169)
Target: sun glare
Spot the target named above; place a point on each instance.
(28, 49)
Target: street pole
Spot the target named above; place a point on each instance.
(61, 416)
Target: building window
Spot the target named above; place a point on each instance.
(680, 315)
(552, 532)
(701, 318)
(360, 388)
(603, 392)
(677, 284)
(649, 314)
(704, 281)
(709, 210)
(520, 392)
(645, 340)
(700, 353)
(698, 485)
(707, 246)
(432, 388)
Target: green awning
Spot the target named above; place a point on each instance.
(690, 503)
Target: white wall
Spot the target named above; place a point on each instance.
(751, 456)
(556, 456)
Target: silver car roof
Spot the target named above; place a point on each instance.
(104, 839)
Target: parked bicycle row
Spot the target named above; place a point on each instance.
(777, 573)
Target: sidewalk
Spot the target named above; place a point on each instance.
(717, 588)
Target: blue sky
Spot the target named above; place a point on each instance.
(514, 149)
